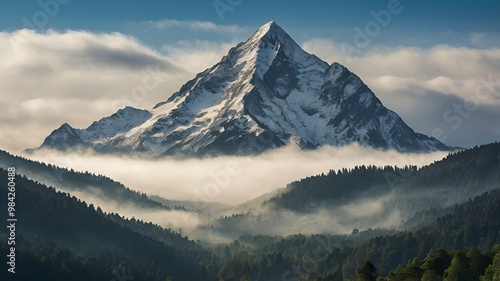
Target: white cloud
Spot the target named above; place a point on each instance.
(485, 39)
(196, 55)
(202, 26)
(414, 62)
(233, 180)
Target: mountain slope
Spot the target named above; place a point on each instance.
(57, 220)
(266, 93)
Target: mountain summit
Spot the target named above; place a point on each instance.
(265, 93)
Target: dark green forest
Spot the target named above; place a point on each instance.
(54, 226)
(474, 224)
(458, 176)
(79, 181)
(60, 237)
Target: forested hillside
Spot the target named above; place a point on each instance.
(66, 239)
(334, 188)
(71, 180)
(61, 237)
(454, 179)
(474, 224)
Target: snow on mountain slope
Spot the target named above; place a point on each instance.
(266, 93)
(100, 132)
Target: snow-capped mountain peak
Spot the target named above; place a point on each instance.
(265, 93)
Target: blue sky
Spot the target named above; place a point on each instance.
(422, 23)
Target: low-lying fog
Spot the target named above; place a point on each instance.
(233, 180)
(229, 179)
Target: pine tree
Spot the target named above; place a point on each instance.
(367, 272)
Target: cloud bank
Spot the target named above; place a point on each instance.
(230, 179)
(234, 180)
(204, 26)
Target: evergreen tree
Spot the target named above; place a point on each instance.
(493, 271)
(367, 272)
(459, 269)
